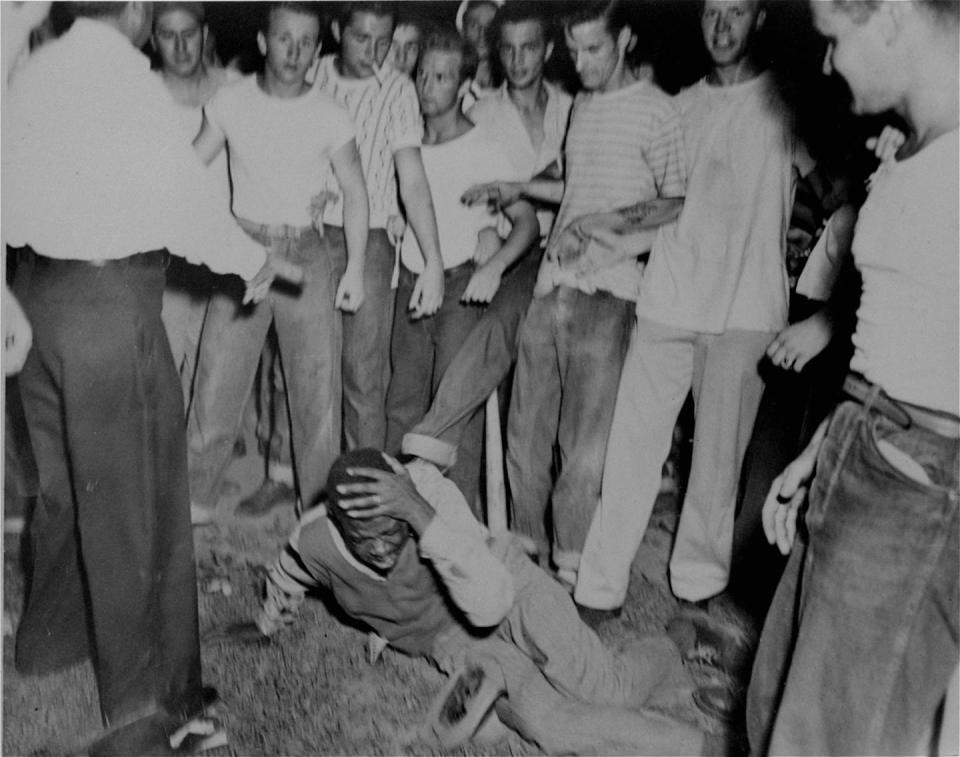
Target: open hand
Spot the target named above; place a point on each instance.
(483, 285)
(498, 194)
(390, 494)
(799, 343)
(788, 492)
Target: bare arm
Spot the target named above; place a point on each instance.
(356, 219)
(504, 193)
(415, 192)
(485, 281)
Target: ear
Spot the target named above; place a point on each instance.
(464, 88)
(626, 39)
(261, 43)
(889, 17)
(335, 28)
(549, 52)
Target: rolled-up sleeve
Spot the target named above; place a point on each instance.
(456, 544)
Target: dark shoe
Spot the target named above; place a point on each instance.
(710, 640)
(270, 495)
(463, 704)
(240, 447)
(596, 618)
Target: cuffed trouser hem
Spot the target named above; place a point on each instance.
(282, 473)
(440, 453)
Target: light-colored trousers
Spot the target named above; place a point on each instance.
(663, 364)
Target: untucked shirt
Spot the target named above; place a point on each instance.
(280, 149)
(95, 166)
(623, 147)
(497, 114)
(386, 113)
(452, 168)
(722, 264)
(906, 247)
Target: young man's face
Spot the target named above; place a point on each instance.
(857, 51)
(178, 37)
(523, 53)
(364, 44)
(476, 21)
(728, 27)
(595, 52)
(405, 48)
(438, 82)
(290, 44)
(375, 542)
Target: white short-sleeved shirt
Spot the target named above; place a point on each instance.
(280, 149)
(452, 168)
(906, 246)
(721, 265)
(499, 117)
(386, 114)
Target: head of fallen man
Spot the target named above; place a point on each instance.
(375, 542)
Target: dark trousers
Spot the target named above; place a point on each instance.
(112, 573)
(420, 351)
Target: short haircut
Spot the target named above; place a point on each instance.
(305, 8)
(358, 458)
(375, 7)
(860, 10)
(95, 9)
(614, 14)
(194, 9)
(515, 12)
(445, 39)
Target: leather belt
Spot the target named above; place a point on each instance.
(904, 414)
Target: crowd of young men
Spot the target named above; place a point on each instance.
(409, 236)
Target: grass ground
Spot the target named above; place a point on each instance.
(311, 691)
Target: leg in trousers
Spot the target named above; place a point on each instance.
(653, 386)
(726, 394)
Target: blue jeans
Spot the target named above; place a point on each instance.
(861, 639)
(572, 347)
(421, 350)
(309, 336)
(480, 366)
(366, 346)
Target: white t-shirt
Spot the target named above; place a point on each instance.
(452, 168)
(721, 265)
(280, 149)
(906, 246)
(499, 117)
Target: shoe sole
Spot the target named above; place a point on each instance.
(477, 706)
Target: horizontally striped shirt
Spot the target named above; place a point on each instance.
(386, 114)
(623, 147)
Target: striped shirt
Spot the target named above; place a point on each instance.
(386, 113)
(623, 147)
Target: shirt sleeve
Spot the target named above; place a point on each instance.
(338, 124)
(405, 125)
(665, 156)
(199, 226)
(479, 584)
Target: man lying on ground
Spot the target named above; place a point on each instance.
(399, 550)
